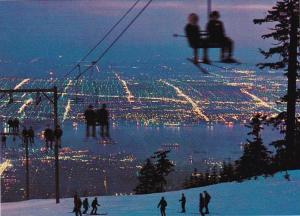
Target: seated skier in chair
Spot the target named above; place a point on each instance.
(216, 36)
(195, 39)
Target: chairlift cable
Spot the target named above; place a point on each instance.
(105, 36)
(116, 39)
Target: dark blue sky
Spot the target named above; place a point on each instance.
(40, 35)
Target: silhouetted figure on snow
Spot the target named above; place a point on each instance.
(90, 117)
(201, 203)
(75, 197)
(287, 176)
(85, 205)
(103, 120)
(31, 135)
(162, 205)
(206, 201)
(78, 207)
(216, 34)
(183, 201)
(94, 206)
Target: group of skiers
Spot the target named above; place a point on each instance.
(27, 136)
(162, 205)
(93, 118)
(98, 117)
(78, 204)
(53, 135)
(204, 200)
(203, 203)
(13, 125)
(215, 36)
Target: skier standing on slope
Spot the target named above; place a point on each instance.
(183, 201)
(94, 206)
(85, 205)
(75, 197)
(162, 204)
(201, 204)
(207, 198)
(78, 207)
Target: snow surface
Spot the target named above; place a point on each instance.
(271, 196)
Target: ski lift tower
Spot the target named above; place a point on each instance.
(53, 100)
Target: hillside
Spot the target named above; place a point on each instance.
(272, 196)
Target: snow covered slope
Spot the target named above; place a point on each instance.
(271, 196)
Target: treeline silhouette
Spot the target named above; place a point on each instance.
(255, 161)
(152, 176)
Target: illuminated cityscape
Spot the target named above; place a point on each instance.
(225, 95)
(167, 104)
(157, 100)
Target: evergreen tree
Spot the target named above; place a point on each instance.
(297, 143)
(198, 179)
(256, 158)
(186, 183)
(147, 179)
(207, 178)
(230, 172)
(191, 181)
(163, 168)
(214, 178)
(280, 15)
(223, 174)
(286, 31)
(227, 172)
(201, 180)
(194, 178)
(282, 160)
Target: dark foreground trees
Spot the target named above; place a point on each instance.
(147, 179)
(152, 176)
(256, 159)
(284, 55)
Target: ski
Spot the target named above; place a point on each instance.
(200, 68)
(98, 214)
(107, 141)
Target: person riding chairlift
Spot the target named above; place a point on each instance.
(192, 31)
(216, 35)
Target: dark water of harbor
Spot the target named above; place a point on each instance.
(89, 167)
(144, 79)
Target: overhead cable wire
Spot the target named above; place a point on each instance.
(104, 37)
(116, 39)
